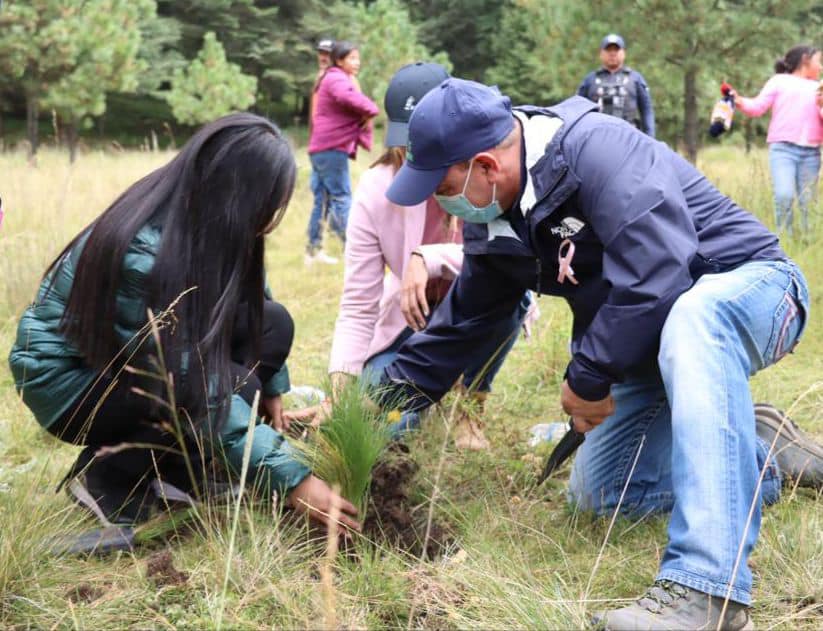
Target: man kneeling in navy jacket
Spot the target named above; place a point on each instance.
(678, 295)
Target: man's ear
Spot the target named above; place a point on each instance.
(489, 165)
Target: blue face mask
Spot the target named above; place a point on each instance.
(460, 206)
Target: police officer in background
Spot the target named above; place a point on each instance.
(617, 89)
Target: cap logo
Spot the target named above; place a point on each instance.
(409, 154)
(410, 103)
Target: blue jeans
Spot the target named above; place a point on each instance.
(700, 456)
(331, 187)
(476, 378)
(795, 171)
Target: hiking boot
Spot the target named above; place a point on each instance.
(468, 426)
(669, 606)
(101, 490)
(797, 455)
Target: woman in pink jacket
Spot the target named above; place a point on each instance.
(341, 121)
(795, 131)
(422, 248)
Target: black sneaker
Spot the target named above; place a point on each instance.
(797, 455)
(101, 489)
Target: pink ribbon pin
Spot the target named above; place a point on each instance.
(564, 262)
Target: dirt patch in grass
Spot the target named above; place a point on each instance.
(161, 571)
(84, 593)
(391, 515)
(432, 598)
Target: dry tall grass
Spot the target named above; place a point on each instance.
(526, 560)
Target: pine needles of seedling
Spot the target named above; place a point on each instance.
(346, 447)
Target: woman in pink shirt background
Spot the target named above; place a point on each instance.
(341, 122)
(795, 131)
(400, 262)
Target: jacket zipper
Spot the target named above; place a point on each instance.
(532, 226)
(539, 274)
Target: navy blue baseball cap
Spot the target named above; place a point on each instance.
(612, 39)
(451, 124)
(406, 88)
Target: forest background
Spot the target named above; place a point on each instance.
(133, 73)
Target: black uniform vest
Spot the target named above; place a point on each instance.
(616, 94)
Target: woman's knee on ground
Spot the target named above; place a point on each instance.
(278, 334)
(245, 382)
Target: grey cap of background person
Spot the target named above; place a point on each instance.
(406, 88)
(451, 124)
(612, 39)
(325, 45)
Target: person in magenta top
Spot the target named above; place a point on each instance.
(422, 248)
(795, 131)
(342, 121)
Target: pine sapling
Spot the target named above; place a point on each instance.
(346, 447)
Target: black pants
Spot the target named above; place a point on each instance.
(110, 414)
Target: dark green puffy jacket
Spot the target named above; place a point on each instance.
(51, 374)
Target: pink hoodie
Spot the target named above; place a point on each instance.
(380, 235)
(339, 111)
(795, 115)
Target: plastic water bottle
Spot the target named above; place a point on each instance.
(304, 396)
(547, 432)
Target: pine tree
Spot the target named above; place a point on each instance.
(107, 40)
(683, 49)
(67, 53)
(385, 36)
(210, 87)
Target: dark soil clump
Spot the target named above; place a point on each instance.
(391, 515)
(160, 569)
(84, 593)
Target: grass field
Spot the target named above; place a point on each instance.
(522, 558)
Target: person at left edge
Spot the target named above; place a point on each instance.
(188, 239)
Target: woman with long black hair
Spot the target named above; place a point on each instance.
(153, 330)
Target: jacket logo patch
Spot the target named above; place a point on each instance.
(568, 227)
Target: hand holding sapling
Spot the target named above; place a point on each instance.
(316, 499)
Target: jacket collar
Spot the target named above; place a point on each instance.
(549, 181)
(621, 69)
(538, 132)
(549, 175)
